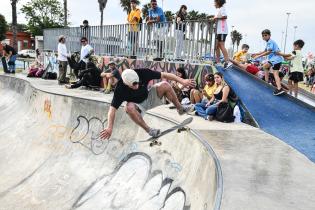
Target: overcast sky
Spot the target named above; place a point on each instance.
(248, 17)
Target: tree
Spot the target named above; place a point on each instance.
(42, 14)
(145, 10)
(125, 4)
(14, 22)
(3, 27)
(102, 5)
(169, 15)
(19, 27)
(65, 12)
(236, 39)
(239, 38)
(193, 15)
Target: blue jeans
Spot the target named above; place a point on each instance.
(204, 111)
(11, 63)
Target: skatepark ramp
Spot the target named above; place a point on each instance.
(51, 158)
(285, 117)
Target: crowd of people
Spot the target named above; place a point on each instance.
(215, 100)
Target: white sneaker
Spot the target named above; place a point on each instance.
(154, 132)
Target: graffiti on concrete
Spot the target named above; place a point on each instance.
(196, 71)
(47, 108)
(133, 185)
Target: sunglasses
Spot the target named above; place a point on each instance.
(135, 83)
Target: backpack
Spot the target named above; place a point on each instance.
(224, 113)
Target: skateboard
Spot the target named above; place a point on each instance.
(180, 127)
(4, 65)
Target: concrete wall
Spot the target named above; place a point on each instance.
(43, 169)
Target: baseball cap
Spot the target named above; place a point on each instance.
(129, 76)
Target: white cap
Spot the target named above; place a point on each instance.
(129, 77)
(3, 42)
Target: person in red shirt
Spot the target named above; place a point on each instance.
(249, 67)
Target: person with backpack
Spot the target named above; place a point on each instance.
(134, 18)
(221, 96)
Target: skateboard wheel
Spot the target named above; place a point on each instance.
(159, 143)
(151, 144)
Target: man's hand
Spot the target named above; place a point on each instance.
(189, 83)
(106, 133)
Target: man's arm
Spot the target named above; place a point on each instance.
(173, 77)
(107, 132)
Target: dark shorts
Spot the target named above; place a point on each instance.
(252, 69)
(221, 37)
(276, 66)
(296, 77)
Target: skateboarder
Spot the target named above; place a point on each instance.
(11, 54)
(133, 88)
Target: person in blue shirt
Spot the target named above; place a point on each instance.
(273, 60)
(156, 17)
(156, 14)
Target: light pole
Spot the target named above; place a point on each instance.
(295, 27)
(162, 4)
(282, 33)
(286, 32)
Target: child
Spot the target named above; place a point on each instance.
(221, 31)
(240, 56)
(248, 66)
(296, 67)
(273, 60)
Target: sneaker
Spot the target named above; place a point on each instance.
(154, 132)
(225, 64)
(278, 92)
(68, 86)
(210, 117)
(107, 91)
(186, 109)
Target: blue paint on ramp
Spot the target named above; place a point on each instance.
(283, 116)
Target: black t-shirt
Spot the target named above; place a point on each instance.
(181, 26)
(8, 48)
(124, 93)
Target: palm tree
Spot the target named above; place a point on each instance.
(14, 22)
(169, 15)
(102, 5)
(145, 10)
(193, 15)
(239, 38)
(65, 12)
(125, 4)
(233, 38)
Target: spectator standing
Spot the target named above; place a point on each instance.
(85, 29)
(180, 31)
(274, 60)
(221, 31)
(62, 60)
(296, 67)
(241, 56)
(133, 19)
(156, 19)
(11, 55)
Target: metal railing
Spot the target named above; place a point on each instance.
(193, 41)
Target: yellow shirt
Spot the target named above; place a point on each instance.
(240, 56)
(210, 89)
(134, 23)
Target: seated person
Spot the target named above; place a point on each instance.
(110, 77)
(240, 56)
(180, 91)
(208, 110)
(90, 77)
(249, 67)
(205, 94)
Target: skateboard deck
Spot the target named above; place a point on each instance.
(4, 65)
(180, 127)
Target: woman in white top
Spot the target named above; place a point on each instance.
(221, 31)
